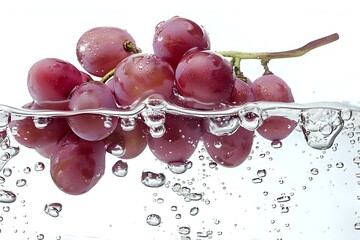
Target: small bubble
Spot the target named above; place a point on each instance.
(194, 211)
(39, 166)
(276, 144)
(120, 168)
(184, 230)
(283, 199)
(265, 193)
(27, 170)
(178, 216)
(108, 122)
(153, 220)
(217, 144)
(53, 209)
(2, 180)
(40, 236)
(216, 221)
(257, 180)
(357, 226)
(160, 200)
(7, 197)
(261, 173)
(7, 172)
(340, 165)
(151, 179)
(6, 208)
(173, 208)
(21, 182)
(314, 171)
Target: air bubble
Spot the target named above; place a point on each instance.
(151, 179)
(116, 149)
(194, 211)
(357, 226)
(250, 117)
(321, 127)
(41, 122)
(184, 230)
(53, 209)
(261, 173)
(179, 167)
(158, 131)
(222, 126)
(276, 144)
(39, 166)
(314, 171)
(7, 196)
(120, 168)
(21, 182)
(40, 237)
(257, 180)
(7, 172)
(153, 220)
(283, 199)
(128, 124)
(108, 122)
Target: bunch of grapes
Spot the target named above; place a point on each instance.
(182, 70)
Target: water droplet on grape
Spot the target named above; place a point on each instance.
(151, 179)
(221, 126)
(276, 144)
(40, 122)
(128, 124)
(120, 168)
(7, 196)
(116, 149)
(108, 122)
(250, 117)
(53, 209)
(153, 220)
(158, 131)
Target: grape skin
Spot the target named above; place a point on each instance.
(92, 95)
(52, 79)
(100, 49)
(205, 76)
(229, 150)
(179, 141)
(76, 165)
(141, 75)
(274, 89)
(174, 37)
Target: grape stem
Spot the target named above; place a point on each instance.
(265, 57)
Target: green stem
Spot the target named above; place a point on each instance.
(128, 46)
(283, 54)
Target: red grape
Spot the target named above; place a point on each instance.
(241, 93)
(204, 76)
(52, 79)
(92, 95)
(273, 89)
(140, 76)
(100, 49)
(76, 165)
(133, 142)
(229, 150)
(29, 135)
(179, 141)
(174, 37)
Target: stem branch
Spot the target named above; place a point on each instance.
(283, 54)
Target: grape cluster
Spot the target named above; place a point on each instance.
(182, 70)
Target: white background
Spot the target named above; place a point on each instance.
(32, 30)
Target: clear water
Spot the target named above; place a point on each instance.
(305, 187)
